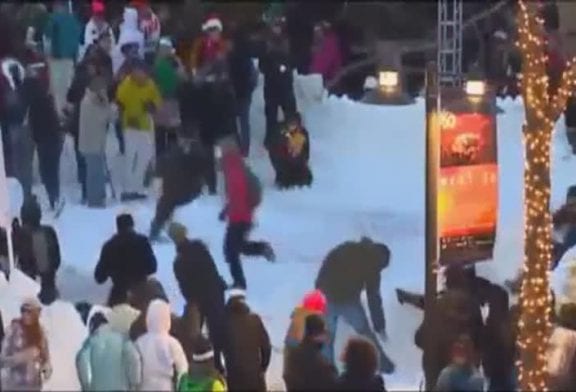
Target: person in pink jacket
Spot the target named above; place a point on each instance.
(326, 52)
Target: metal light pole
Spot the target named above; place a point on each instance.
(431, 241)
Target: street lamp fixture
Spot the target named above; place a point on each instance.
(388, 80)
(475, 88)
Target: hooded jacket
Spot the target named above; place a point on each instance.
(129, 33)
(107, 362)
(351, 268)
(162, 358)
(121, 317)
(248, 348)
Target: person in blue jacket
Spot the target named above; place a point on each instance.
(108, 359)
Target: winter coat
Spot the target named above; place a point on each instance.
(218, 117)
(276, 65)
(92, 32)
(178, 164)
(205, 51)
(239, 207)
(308, 370)
(42, 116)
(121, 317)
(28, 245)
(248, 348)
(459, 378)
(351, 382)
(127, 259)
(242, 70)
(327, 60)
(108, 362)
(196, 273)
(63, 31)
(23, 366)
(457, 313)
(129, 33)
(292, 148)
(202, 377)
(162, 358)
(133, 98)
(351, 268)
(295, 332)
(166, 76)
(95, 115)
(562, 359)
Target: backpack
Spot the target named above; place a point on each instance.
(195, 384)
(254, 187)
(41, 251)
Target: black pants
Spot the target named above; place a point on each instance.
(211, 177)
(213, 313)
(49, 164)
(292, 174)
(164, 211)
(275, 100)
(165, 138)
(81, 168)
(236, 243)
(48, 291)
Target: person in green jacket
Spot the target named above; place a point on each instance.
(168, 73)
(62, 34)
(108, 360)
(202, 376)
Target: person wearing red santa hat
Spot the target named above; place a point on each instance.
(210, 46)
(96, 27)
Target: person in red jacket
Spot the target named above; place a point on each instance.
(243, 195)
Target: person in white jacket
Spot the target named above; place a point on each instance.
(163, 360)
(129, 33)
(95, 28)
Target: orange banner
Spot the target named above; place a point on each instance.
(467, 187)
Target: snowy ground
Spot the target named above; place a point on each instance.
(368, 163)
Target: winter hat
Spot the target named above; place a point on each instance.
(236, 293)
(124, 222)
(315, 301)
(212, 22)
(202, 350)
(177, 232)
(97, 7)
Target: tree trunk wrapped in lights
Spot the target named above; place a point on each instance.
(542, 109)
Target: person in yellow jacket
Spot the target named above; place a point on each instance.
(138, 98)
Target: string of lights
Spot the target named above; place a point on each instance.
(542, 109)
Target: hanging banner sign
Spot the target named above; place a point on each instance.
(467, 188)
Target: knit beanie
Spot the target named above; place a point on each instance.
(315, 301)
(177, 232)
(202, 351)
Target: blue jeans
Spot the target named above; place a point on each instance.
(95, 179)
(354, 314)
(244, 120)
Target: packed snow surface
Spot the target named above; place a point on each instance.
(368, 164)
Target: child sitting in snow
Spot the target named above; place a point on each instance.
(203, 375)
(290, 153)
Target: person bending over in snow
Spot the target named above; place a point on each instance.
(248, 345)
(289, 154)
(243, 195)
(38, 249)
(349, 269)
(203, 375)
(182, 172)
(127, 259)
(200, 284)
